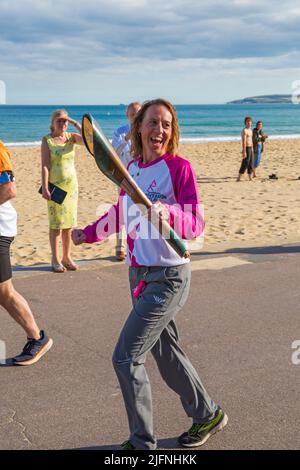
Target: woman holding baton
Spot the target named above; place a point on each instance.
(159, 279)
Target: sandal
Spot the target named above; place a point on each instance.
(58, 268)
(71, 266)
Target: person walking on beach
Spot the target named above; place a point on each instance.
(247, 149)
(122, 144)
(258, 145)
(159, 280)
(58, 168)
(38, 342)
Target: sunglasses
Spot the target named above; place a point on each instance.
(62, 120)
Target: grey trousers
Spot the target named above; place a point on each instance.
(151, 327)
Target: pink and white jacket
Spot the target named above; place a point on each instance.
(171, 180)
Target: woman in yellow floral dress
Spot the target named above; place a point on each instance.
(58, 168)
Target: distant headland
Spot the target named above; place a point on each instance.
(264, 99)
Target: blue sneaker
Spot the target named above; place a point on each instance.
(33, 350)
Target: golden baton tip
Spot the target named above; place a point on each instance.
(88, 134)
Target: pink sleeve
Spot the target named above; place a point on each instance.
(186, 217)
(111, 222)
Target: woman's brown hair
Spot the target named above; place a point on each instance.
(136, 141)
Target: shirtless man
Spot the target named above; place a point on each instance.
(247, 149)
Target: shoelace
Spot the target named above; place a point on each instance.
(28, 346)
(194, 429)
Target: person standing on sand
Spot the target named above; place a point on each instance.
(57, 152)
(247, 149)
(122, 144)
(38, 342)
(159, 280)
(258, 145)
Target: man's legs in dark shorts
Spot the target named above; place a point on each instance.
(247, 163)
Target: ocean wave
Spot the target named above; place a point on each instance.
(35, 143)
(284, 137)
(199, 140)
(183, 140)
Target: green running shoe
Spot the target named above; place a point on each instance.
(198, 434)
(127, 446)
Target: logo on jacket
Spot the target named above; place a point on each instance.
(152, 194)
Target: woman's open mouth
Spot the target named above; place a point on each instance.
(156, 140)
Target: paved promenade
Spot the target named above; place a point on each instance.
(238, 326)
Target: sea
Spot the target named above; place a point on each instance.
(25, 125)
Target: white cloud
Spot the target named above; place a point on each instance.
(47, 42)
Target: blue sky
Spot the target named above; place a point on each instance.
(111, 52)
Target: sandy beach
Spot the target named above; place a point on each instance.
(262, 212)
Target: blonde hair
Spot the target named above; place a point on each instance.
(56, 114)
(136, 141)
